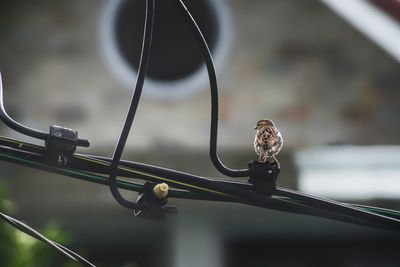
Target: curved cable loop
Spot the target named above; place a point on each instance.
(24, 129)
(143, 64)
(15, 125)
(214, 98)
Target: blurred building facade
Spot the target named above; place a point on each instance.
(295, 62)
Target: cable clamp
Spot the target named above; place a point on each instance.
(153, 199)
(263, 176)
(61, 144)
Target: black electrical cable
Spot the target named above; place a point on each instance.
(143, 64)
(34, 160)
(35, 234)
(29, 159)
(243, 191)
(214, 97)
(258, 200)
(98, 165)
(204, 187)
(176, 177)
(254, 199)
(15, 125)
(298, 208)
(387, 212)
(83, 162)
(338, 207)
(17, 144)
(24, 129)
(212, 187)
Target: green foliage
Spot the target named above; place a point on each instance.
(20, 250)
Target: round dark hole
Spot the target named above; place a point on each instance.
(175, 53)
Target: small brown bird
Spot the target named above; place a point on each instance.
(268, 140)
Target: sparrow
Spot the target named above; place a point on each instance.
(268, 141)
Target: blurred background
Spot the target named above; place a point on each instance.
(326, 72)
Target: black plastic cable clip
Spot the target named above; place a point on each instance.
(263, 176)
(61, 144)
(153, 207)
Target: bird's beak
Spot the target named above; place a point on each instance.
(255, 127)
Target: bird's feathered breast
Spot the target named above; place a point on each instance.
(266, 136)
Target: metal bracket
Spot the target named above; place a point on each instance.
(153, 207)
(263, 176)
(61, 144)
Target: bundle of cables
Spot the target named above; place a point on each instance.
(58, 156)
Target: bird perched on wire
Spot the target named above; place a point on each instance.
(268, 141)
